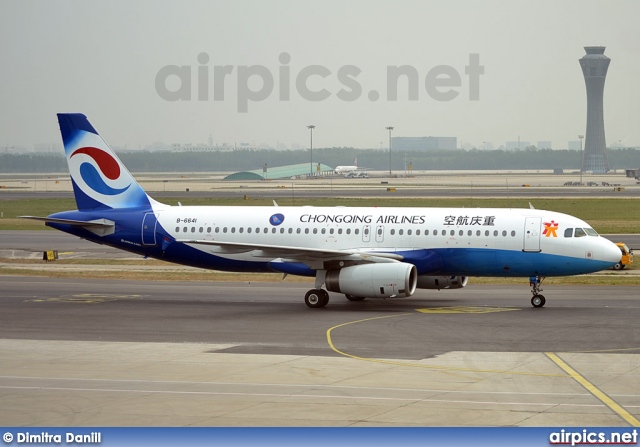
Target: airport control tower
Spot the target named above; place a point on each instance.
(594, 68)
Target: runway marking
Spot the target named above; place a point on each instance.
(465, 310)
(416, 365)
(84, 298)
(314, 386)
(608, 350)
(299, 396)
(614, 406)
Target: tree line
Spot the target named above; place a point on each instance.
(249, 160)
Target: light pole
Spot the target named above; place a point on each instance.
(311, 127)
(580, 137)
(389, 128)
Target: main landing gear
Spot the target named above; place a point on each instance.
(316, 298)
(536, 287)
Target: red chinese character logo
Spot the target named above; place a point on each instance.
(550, 229)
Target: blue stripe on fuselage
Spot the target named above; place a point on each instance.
(491, 262)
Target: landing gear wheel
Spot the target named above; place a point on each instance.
(316, 298)
(538, 301)
(354, 298)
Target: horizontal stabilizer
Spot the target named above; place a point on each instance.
(101, 227)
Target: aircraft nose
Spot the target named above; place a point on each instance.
(611, 252)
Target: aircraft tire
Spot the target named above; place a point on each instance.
(316, 298)
(354, 298)
(538, 301)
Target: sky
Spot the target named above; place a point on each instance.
(259, 72)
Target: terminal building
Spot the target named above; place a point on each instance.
(418, 144)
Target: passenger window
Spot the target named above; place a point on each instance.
(435, 232)
(461, 233)
(379, 231)
(323, 231)
(568, 232)
(241, 229)
(400, 232)
(306, 231)
(177, 229)
(290, 230)
(417, 232)
(273, 231)
(392, 232)
(315, 231)
(356, 231)
(184, 229)
(208, 229)
(233, 229)
(478, 233)
(331, 231)
(348, 230)
(281, 230)
(504, 233)
(469, 233)
(452, 232)
(366, 231)
(495, 232)
(193, 229)
(408, 232)
(579, 232)
(249, 230)
(339, 230)
(224, 230)
(513, 233)
(217, 229)
(426, 232)
(297, 230)
(486, 233)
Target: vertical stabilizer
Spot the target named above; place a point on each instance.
(99, 178)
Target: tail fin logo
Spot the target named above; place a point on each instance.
(104, 166)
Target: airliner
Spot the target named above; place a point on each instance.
(359, 252)
(347, 169)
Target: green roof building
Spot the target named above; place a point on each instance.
(281, 172)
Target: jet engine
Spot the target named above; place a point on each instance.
(442, 282)
(384, 280)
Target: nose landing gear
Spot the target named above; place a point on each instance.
(536, 287)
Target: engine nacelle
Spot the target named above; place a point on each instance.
(442, 282)
(384, 280)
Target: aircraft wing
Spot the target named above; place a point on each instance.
(313, 257)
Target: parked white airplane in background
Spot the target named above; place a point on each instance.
(361, 252)
(343, 170)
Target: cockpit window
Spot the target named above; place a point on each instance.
(591, 232)
(580, 232)
(568, 232)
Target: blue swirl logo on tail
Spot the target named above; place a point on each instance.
(108, 166)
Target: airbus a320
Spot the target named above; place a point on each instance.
(359, 252)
